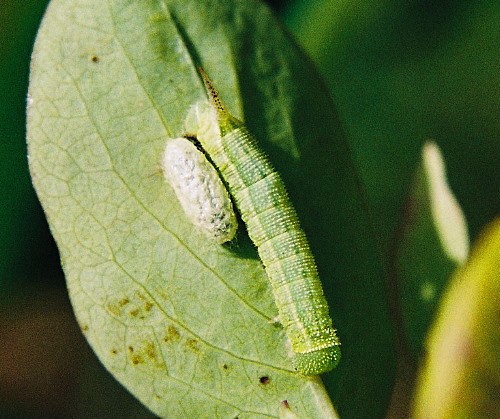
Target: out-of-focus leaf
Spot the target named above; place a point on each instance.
(401, 72)
(185, 324)
(433, 241)
(461, 376)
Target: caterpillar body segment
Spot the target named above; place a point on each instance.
(272, 223)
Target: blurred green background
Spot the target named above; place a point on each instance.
(399, 72)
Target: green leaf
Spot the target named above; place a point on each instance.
(184, 324)
(432, 242)
(461, 375)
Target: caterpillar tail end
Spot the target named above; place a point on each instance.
(227, 122)
(317, 362)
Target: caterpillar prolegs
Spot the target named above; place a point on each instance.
(272, 224)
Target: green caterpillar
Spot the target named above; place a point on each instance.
(272, 223)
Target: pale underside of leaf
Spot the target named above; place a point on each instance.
(184, 324)
(448, 216)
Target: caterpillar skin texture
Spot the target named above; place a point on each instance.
(272, 223)
(199, 189)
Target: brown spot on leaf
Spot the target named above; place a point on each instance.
(172, 334)
(225, 366)
(193, 345)
(134, 312)
(137, 359)
(151, 351)
(94, 58)
(114, 309)
(114, 351)
(148, 306)
(123, 302)
(146, 352)
(85, 328)
(264, 380)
